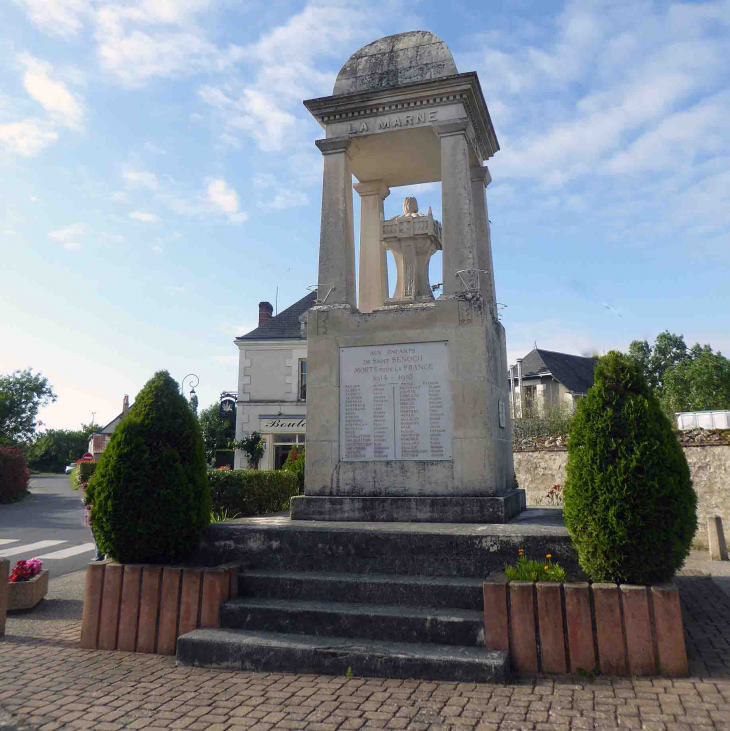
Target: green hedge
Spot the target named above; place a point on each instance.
(84, 470)
(251, 492)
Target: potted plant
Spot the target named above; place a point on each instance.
(631, 513)
(27, 584)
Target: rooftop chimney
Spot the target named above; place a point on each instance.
(265, 312)
(125, 405)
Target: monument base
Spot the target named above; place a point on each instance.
(488, 509)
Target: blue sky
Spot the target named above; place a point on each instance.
(159, 175)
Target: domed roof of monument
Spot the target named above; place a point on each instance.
(405, 58)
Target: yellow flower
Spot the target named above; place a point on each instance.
(548, 555)
(546, 568)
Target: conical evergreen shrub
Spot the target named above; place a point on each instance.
(630, 507)
(150, 500)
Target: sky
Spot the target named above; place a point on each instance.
(159, 178)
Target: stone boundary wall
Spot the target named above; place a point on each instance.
(709, 465)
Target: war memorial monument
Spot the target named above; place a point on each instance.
(410, 500)
(407, 416)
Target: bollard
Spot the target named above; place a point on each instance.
(716, 539)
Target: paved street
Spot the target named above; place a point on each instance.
(48, 524)
(48, 682)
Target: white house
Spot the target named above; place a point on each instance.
(549, 380)
(99, 440)
(272, 382)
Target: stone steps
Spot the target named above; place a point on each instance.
(365, 621)
(230, 649)
(398, 600)
(413, 591)
(416, 549)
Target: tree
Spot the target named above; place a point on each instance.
(149, 495)
(52, 450)
(668, 350)
(218, 431)
(253, 446)
(22, 394)
(629, 504)
(699, 383)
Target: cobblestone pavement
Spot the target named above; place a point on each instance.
(48, 681)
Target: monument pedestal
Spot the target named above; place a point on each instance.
(492, 509)
(406, 415)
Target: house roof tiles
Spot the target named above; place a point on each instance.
(575, 372)
(284, 325)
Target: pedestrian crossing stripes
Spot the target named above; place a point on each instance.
(39, 545)
(72, 551)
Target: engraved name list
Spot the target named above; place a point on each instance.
(395, 402)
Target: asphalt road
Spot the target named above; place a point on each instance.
(47, 524)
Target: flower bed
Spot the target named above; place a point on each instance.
(142, 608)
(586, 628)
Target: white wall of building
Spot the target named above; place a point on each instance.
(268, 396)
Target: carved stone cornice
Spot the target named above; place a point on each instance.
(462, 88)
(333, 145)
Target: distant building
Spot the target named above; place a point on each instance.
(272, 382)
(549, 380)
(99, 440)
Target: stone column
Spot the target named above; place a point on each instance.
(459, 234)
(372, 290)
(480, 179)
(336, 242)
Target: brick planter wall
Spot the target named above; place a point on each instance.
(139, 608)
(559, 628)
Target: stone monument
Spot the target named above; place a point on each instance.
(406, 395)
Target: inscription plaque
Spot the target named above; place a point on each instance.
(395, 402)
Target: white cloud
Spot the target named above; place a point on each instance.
(156, 39)
(119, 196)
(152, 147)
(114, 238)
(251, 111)
(175, 290)
(56, 17)
(145, 217)
(285, 199)
(61, 105)
(264, 180)
(298, 59)
(225, 198)
(27, 138)
(72, 245)
(230, 140)
(157, 249)
(68, 233)
(140, 178)
(34, 199)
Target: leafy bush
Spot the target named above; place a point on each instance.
(149, 494)
(85, 470)
(251, 492)
(630, 507)
(530, 570)
(295, 465)
(14, 475)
